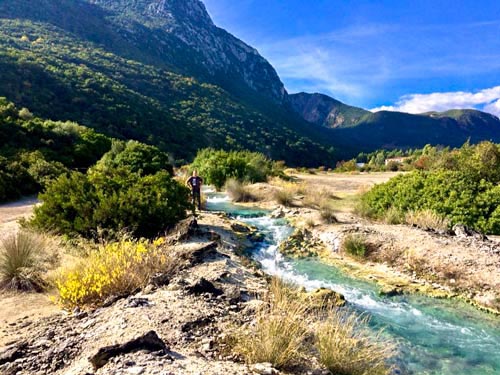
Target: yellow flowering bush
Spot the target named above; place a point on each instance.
(113, 269)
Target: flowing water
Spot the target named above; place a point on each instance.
(434, 336)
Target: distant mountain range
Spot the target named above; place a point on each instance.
(358, 129)
(161, 72)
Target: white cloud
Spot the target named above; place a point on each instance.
(487, 100)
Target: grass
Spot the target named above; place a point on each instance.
(327, 213)
(285, 333)
(394, 216)
(285, 196)
(239, 192)
(279, 332)
(426, 219)
(24, 258)
(355, 245)
(345, 348)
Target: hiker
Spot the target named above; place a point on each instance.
(195, 182)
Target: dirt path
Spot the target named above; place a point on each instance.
(19, 310)
(10, 213)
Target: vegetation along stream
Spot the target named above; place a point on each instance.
(434, 336)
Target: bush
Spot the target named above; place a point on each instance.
(135, 156)
(460, 197)
(114, 269)
(344, 347)
(239, 192)
(24, 257)
(82, 204)
(217, 166)
(355, 245)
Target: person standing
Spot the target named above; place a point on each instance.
(195, 182)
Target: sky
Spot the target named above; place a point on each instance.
(412, 56)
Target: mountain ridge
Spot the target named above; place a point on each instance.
(355, 127)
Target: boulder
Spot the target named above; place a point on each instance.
(149, 342)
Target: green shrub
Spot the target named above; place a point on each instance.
(83, 204)
(23, 259)
(135, 156)
(355, 245)
(462, 197)
(217, 166)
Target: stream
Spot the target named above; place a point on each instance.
(434, 336)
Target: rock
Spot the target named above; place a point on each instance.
(12, 353)
(159, 279)
(183, 231)
(461, 231)
(150, 342)
(322, 297)
(137, 302)
(241, 228)
(264, 368)
(136, 370)
(277, 213)
(391, 291)
(202, 253)
(202, 285)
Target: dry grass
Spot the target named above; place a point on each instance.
(316, 197)
(394, 216)
(285, 331)
(285, 196)
(327, 213)
(239, 191)
(24, 258)
(279, 331)
(310, 223)
(416, 263)
(345, 347)
(426, 219)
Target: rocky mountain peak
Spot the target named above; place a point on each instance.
(186, 10)
(221, 58)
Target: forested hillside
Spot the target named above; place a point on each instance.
(109, 68)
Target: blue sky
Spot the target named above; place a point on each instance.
(404, 55)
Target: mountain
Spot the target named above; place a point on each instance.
(323, 110)
(161, 72)
(356, 130)
(158, 71)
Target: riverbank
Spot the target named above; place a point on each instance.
(401, 258)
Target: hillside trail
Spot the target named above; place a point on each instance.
(19, 309)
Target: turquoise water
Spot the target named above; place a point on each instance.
(435, 337)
